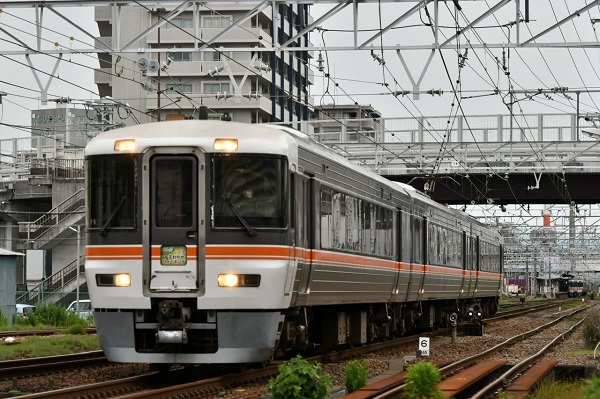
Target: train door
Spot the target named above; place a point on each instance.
(424, 246)
(476, 263)
(399, 275)
(466, 277)
(417, 262)
(405, 255)
(470, 272)
(296, 234)
(171, 218)
(305, 235)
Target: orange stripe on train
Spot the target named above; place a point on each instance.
(112, 251)
(223, 252)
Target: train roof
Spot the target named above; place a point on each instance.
(252, 138)
(326, 152)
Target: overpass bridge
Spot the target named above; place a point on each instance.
(485, 159)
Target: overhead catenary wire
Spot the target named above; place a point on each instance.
(384, 77)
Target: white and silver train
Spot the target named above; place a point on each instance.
(221, 242)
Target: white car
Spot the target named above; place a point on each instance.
(85, 308)
(23, 309)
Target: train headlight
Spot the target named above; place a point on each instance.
(127, 145)
(123, 280)
(225, 145)
(238, 280)
(228, 280)
(113, 280)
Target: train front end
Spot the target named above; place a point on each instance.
(188, 257)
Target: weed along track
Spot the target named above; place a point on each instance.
(384, 362)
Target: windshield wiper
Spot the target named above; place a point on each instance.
(112, 216)
(240, 217)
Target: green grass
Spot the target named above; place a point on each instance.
(49, 316)
(558, 389)
(49, 346)
(517, 300)
(25, 327)
(574, 304)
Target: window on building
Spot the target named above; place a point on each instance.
(216, 21)
(180, 56)
(178, 88)
(215, 55)
(179, 23)
(217, 87)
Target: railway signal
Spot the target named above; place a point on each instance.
(475, 318)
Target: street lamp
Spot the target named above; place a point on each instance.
(77, 264)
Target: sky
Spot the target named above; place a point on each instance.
(473, 85)
(480, 84)
(74, 76)
(482, 73)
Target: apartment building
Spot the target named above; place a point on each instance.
(206, 57)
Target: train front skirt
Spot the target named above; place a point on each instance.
(243, 337)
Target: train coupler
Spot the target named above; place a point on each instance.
(171, 336)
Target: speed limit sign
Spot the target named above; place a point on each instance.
(424, 346)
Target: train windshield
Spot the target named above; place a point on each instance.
(111, 192)
(249, 192)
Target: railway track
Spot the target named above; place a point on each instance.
(187, 384)
(524, 309)
(10, 369)
(41, 332)
(465, 373)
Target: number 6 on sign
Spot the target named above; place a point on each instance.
(424, 346)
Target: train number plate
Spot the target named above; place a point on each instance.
(173, 255)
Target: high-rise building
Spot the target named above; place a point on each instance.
(206, 55)
(55, 129)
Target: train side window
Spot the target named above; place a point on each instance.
(383, 231)
(326, 218)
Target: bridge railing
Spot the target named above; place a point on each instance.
(485, 157)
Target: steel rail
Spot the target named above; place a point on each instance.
(44, 331)
(518, 368)
(49, 364)
(144, 386)
(453, 367)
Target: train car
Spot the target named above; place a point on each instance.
(221, 242)
(577, 288)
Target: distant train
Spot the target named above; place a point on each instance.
(220, 242)
(577, 288)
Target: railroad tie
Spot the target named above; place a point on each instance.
(463, 380)
(522, 385)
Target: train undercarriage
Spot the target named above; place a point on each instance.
(174, 329)
(318, 329)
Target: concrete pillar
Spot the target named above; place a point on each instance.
(8, 282)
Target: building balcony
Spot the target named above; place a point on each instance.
(240, 36)
(103, 76)
(191, 101)
(103, 13)
(203, 68)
